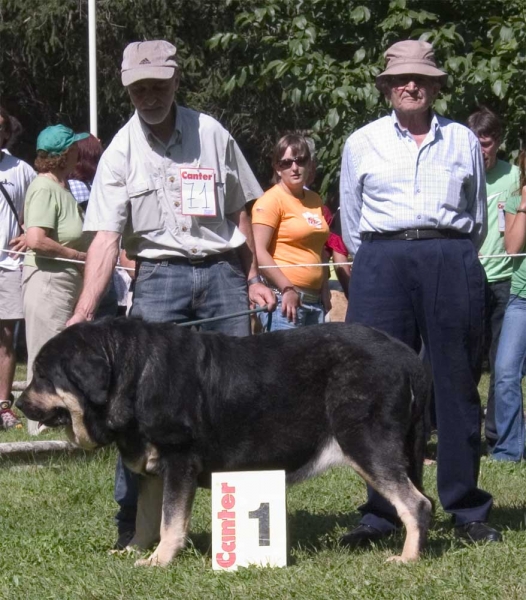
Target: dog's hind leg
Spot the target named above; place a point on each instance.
(179, 487)
(414, 510)
(412, 507)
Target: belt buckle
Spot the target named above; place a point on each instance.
(196, 260)
(301, 296)
(409, 236)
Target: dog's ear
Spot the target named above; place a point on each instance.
(91, 375)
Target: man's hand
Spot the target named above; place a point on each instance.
(260, 294)
(77, 317)
(18, 244)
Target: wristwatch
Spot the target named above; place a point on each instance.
(255, 279)
(521, 210)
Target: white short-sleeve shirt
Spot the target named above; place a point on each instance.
(137, 188)
(15, 175)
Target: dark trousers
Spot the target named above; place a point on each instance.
(433, 290)
(497, 296)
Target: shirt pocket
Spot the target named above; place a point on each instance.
(145, 206)
(443, 188)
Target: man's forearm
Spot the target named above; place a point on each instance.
(100, 262)
(247, 251)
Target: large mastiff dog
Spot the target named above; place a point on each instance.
(181, 405)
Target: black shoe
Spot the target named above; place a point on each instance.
(125, 537)
(363, 536)
(477, 532)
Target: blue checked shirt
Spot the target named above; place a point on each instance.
(79, 190)
(389, 184)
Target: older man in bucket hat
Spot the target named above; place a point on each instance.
(174, 184)
(413, 204)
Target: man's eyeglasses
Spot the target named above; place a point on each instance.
(286, 163)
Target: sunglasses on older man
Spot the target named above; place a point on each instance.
(402, 81)
(286, 163)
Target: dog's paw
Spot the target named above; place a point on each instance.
(152, 561)
(401, 559)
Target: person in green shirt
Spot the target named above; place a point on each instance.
(511, 355)
(502, 181)
(50, 287)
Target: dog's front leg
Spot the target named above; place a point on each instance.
(179, 486)
(149, 511)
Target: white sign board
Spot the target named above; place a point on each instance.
(249, 519)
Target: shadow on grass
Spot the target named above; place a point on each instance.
(202, 542)
(313, 533)
(317, 532)
(509, 517)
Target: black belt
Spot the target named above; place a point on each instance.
(416, 234)
(229, 256)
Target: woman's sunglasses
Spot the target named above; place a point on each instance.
(286, 163)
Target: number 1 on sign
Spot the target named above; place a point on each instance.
(262, 514)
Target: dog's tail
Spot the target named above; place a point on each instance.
(420, 385)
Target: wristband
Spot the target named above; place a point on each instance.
(522, 210)
(288, 288)
(256, 279)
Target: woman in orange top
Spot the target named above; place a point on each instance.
(289, 229)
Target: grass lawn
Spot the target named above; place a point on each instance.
(57, 528)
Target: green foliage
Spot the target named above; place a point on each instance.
(317, 60)
(263, 67)
(44, 58)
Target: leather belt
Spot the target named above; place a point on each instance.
(415, 234)
(229, 256)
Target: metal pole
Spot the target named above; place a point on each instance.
(92, 43)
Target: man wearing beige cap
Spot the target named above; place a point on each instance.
(413, 204)
(173, 184)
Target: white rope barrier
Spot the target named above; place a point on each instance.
(68, 260)
(261, 267)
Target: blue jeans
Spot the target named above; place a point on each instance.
(180, 293)
(497, 297)
(306, 314)
(509, 416)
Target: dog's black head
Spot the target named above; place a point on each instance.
(72, 380)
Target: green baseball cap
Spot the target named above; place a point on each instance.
(57, 138)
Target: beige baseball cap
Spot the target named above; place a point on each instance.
(148, 60)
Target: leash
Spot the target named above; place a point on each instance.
(251, 311)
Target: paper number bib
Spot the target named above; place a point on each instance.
(502, 217)
(198, 191)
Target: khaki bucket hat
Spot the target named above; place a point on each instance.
(411, 57)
